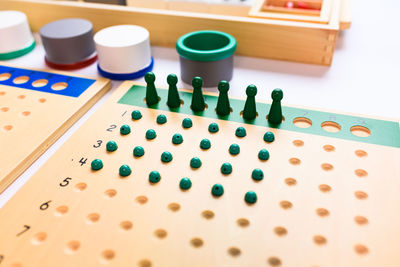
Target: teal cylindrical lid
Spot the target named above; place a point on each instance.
(206, 45)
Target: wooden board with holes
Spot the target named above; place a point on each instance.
(37, 107)
(326, 196)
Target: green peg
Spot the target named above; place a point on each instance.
(96, 164)
(187, 123)
(234, 149)
(151, 134)
(213, 127)
(275, 112)
(263, 154)
(257, 174)
(195, 163)
(223, 107)
(154, 177)
(226, 168)
(161, 119)
(138, 151)
(151, 92)
(185, 183)
(250, 111)
(205, 144)
(217, 190)
(173, 96)
(240, 132)
(125, 129)
(250, 197)
(111, 146)
(197, 96)
(125, 170)
(177, 139)
(269, 137)
(166, 157)
(136, 115)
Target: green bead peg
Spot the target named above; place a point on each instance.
(174, 100)
(213, 127)
(223, 106)
(185, 183)
(177, 139)
(151, 134)
(111, 146)
(138, 151)
(250, 110)
(275, 112)
(195, 163)
(234, 149)
(226, 168)
(198, 103)
(269, 137)
(151, 92)
(96, 164)
(125, 170)
(187, 123)
(136, 115)
(205, 144)
(250, 197)
(257, 175)
(263, 154)
(240, 132)
(161, 119)
(125, 129)
(154, 177)
(166, 157)
(217, 190)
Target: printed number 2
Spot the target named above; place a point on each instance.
(112, 127)
(99, 142)
(65, 182)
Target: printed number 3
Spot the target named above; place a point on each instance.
(99, 142)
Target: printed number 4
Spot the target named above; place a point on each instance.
(83, 161)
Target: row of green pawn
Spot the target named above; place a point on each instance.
(223, 106)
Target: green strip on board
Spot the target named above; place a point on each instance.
(386, 133)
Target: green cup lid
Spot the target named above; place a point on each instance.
(206, 45)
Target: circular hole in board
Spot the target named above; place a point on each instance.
(39, 238)
(360, 220)
(108, 254)
(324, 188)
(234, 251)
(322, 212)
(331, 126)
(144, 263)
(174, 206)
(328, 148)
(327, 166)
(280, 231)
(319, 240)
(196, 242)
(360, 249)
(361, 172)
(110, 193)
(142, 200)
(42, 100)
(126, 225)
(26, 113)
(290, 181)
(361, 153)
(360, 131)
(72, 246)
(160, 233)
(16, 264)
(361, 195)
(286, 204)
(2, 93)
(21, 96)
(5, 109)
(59, 86)
(4, 76)
(208, 214)
(243, 222)
(21, 79)
(294, 161)
(8, 127)
(298, 143)
(80, 187)
(93, 217)
(40, 83)
(274, 261)
(302, 122)
(61, 210)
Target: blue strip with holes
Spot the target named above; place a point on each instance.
(75, 86)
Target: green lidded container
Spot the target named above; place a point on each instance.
(208, 54)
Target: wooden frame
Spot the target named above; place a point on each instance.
(257, 37)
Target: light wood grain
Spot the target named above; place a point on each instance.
(31, 135)
(256, 37)
(316, 218)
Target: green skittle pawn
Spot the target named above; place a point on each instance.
(198, 103)
(151, 92)
(275, 112)
(250, 111)
(174, 100)
(223, 107)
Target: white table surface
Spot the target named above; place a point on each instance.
(364, 77)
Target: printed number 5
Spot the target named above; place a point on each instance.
(65, 182)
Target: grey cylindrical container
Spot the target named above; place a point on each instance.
(68, 41)
(208, 54)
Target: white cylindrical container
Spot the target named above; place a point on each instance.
(16, 37)
(123, 52)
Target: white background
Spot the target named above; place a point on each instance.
(364, 77)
